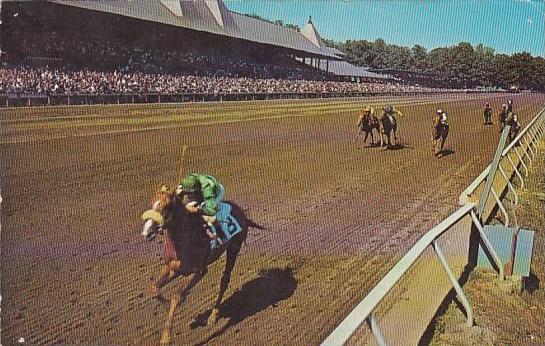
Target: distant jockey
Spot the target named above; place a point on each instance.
(487, 114)
(367, 111)
(510, 106)
(439, 122)
(208, 193)
(512, 121)
(390, 113)
(502, 116)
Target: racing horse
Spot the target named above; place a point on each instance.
(388, 128)
(366, 124)
(514, 129)
(187, 250)
(439, 136)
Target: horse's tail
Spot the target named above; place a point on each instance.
(253, 224)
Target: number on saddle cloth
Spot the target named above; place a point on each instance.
(228, 223)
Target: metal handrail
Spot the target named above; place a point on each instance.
(365, 308)
(464, 196)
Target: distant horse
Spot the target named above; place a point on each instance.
(187, 252)
(388, 128)
(514, 129)
(502, 118)
(366, 124)
(439, 136)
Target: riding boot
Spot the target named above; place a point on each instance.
(219, 233)
(215, 232)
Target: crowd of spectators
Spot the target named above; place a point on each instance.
(101, 64)
(115, 54)
(44, 56)
(47, 81)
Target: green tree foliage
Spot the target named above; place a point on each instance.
(461, 65)
(276, 22)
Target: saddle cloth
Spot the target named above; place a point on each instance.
(228, 223)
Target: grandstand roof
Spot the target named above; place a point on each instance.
(345, 69)
(210, 16)
(310, 32)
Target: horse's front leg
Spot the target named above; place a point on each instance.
(357, 135)
(170, 271)
(176, 299)
(365, 138)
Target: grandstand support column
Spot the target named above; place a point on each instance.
(327, 66)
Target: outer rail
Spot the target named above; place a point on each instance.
(534, 131)
(527, 138)
(363, 311)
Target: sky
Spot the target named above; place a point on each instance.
(508, 26)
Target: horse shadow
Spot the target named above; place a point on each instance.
(398, 146)
(370, 145)
(445, 153)
(270, 288)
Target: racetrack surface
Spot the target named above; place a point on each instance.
(75, 180)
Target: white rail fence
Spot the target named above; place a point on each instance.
(513, 165)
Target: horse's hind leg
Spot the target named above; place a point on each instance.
(232, 254)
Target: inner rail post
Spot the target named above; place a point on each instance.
(517, 172)
(488, 245)
(509, 185)
(454, 282)
(502, 208)
(375, 329)
(529, 147)
(521, 161)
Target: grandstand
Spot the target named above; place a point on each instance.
(167, 47)
(32, 30)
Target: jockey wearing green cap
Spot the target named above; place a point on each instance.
(206, 188)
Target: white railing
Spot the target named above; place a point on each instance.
(363, 312)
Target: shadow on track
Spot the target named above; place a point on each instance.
(446, 152)
(398, 147)
(271, 287)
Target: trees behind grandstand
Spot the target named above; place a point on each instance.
(278, 22)
(463, 65)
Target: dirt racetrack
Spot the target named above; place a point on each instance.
(75, 269)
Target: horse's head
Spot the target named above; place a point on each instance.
(154, 218)
(165, 198)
